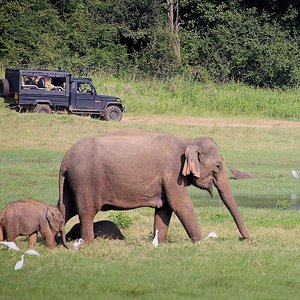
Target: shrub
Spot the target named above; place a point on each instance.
(121, 219)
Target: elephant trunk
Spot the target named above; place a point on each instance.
(223, 187)
(63, 238)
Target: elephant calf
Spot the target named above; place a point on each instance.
(28, 217)
(103, 229)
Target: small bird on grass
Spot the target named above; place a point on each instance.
(294, 174)
(155, 240)
(31, 252)
(77, 244)
(19, 265)
(211, 235)
(10, 245)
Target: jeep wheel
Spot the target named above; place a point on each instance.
(42, 109)
(4, 87)
(112, 113)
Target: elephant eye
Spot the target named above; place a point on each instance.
(218, 166)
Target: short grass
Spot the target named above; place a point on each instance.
(35, 144)
(266, 267)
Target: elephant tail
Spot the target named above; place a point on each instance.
(66, 203)
(2, 237)
(61, 201)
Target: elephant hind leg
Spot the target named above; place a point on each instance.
(86, 213)
(1, 233)
(69, 208)
(11, 233)
(32, 239)
(87, 228)
(66, 204)
(87, 224)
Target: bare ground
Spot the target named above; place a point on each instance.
(211, 122)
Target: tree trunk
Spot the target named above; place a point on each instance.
(174, 27)
(171, 14)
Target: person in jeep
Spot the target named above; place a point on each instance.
(43, 91)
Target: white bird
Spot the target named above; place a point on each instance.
(31, 252)
(294, 174)
(77, 244)
(155, 240)
(211, 235)
(10, 245)
(19, 265)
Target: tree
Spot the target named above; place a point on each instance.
(174, 27)
(31, 35)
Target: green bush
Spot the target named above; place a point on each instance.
(121, 219)
(242, 45)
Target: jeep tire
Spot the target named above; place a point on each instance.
(42, 109)
(4, 88)
(112, 113)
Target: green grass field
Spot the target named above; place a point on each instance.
(266, 267)
(191, 98)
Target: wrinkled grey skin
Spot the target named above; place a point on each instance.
(28, 217)
(103, 229)
(127, 170)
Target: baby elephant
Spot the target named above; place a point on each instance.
(27, 217)
(103, 229)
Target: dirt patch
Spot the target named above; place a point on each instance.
(211, 122)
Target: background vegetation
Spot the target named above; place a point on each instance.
(253, 42)
(181, 97)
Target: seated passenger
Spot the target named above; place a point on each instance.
(40, 82)
(48, 85)
(29, 81)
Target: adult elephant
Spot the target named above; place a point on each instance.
(127, 170)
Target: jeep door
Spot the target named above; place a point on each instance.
(84, 95)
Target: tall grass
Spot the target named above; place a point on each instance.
(186, 97)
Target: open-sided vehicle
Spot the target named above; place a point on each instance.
(57, 91)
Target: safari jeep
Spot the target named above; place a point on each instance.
(57, 91)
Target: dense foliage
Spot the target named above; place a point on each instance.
(250, 41)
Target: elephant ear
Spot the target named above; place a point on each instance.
(191, 163)
(54, 218)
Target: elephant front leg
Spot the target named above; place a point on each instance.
(48, 237)
(182, 205)
(162, 219)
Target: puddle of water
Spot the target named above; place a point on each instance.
(255, 201)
